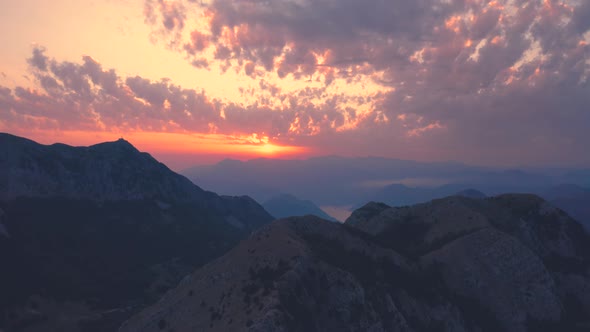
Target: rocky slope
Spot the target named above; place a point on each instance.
(89, 235)
(506, 263)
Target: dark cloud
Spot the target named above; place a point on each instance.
(465, 77)
(38, 60)
(581, 17)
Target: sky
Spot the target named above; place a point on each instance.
(497, 83)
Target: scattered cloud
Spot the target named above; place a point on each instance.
(84, 95)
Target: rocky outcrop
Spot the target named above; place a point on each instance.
(487, 246)
(498, 271)
(298, 274)
(507, 263)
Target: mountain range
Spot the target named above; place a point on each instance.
(106, 238)
(505, 263)
(352, 182)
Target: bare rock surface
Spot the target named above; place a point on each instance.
(506, 263)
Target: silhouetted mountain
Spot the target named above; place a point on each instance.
(106, 171)
(506, 263)
(285, 205)
(89, 235)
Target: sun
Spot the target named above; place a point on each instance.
(274, 149)
(269, 148)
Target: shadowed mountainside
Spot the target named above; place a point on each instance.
(89, 235)
(505, 263)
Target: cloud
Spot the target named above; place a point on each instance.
(74, 96)
(169, 16)
(38, 60)
(462, 76)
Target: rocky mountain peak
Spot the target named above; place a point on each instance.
(119, 145)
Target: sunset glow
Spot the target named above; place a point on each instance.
(447, 80)
(176, 143)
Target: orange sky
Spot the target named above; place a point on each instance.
(472, 81)
(115, 34)
(179, 150)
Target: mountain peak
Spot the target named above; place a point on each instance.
(120, 144)
(105, 171)
(123, 142)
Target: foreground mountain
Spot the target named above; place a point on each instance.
(90, 235)
(285, 205)
(506, 263)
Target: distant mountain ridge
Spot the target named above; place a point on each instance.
(285, 205)
(352, 181)
(505, 263)
(329, 180)
(93, 234)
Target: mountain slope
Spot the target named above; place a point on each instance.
(93, 234)
(509, 263)
(285, 205)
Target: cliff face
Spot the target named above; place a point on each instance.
(509, 263)
(90, 235)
